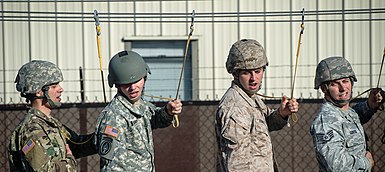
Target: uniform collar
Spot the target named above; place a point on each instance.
(50, 120)
(136, 110)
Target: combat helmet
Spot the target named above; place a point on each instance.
(126, 67)
(35, 76)
(246, 54)
(333, 68)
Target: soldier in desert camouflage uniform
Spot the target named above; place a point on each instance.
(243, 121)
(124, 127)
(338, 135)
(39, 142)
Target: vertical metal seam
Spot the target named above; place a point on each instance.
(370, 46)
(109, 42)
(317, 40)
(187, 23)
(343, 28)
(83, 36)
(238, 21)
(4, 59)
(29, 31)
(134, 1)
(56, 33)
(264, 40)
(213, 45)
(290, 43)
(160, 18)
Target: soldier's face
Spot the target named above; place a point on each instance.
(251, 79)
(340, 89)
(55, 91)
(133, 91)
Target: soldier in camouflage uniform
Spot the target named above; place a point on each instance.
(39, 142)
(124, 128)
(337, 132)
(243, 121)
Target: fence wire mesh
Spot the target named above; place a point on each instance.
(192, 147)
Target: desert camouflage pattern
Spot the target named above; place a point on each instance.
(242, 130)
(130, 147)
(47, 151)
(333, 68)
(246, 54)
(34, 75)
(339, 139)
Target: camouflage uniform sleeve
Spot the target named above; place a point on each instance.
(235, 125)
(44, 154)
(111, 143)
(160, 118)
(364, 111)
(274, 120)
(332, 152)
(80, 145)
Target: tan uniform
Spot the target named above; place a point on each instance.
(242, 130)
(38, 144)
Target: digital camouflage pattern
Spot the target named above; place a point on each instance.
(38, 144)
(333, 68)
(242, 130)
(246, 54)
(33, 75)
(124, 134)
(126, 67)
(339, 139)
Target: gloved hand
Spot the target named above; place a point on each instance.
(376, 99)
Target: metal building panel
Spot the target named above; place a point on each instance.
(176, 26)
(147, 26)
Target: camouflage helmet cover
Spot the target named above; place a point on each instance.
(34, 75)
(333, 68)
(246, 54)
(126, 67)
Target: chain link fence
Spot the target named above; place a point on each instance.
(192, 147)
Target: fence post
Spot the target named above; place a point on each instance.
(82, 119)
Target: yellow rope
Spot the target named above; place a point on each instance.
(76, 143)
(175, 121)
(98, 32)
(294, 115)
(158, 97)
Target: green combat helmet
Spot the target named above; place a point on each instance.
(35, 76)
(246, 54)
(126, 67)
(333, 68)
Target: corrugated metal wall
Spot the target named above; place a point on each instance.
(64, 33)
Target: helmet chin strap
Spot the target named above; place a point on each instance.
(338, 103)
(50, 102)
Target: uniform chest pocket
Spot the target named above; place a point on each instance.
(136, 135)
(354, 138)
(237, 128)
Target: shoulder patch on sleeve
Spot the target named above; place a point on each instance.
(28, 147)
(324, 138)
(106, 147)
(111, 131)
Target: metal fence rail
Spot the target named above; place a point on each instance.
(191, 147)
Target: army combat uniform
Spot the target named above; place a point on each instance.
(124, 134)
(339, 139)
(39, 144)
(242, 128)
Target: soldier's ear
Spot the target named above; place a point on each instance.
(324, 88)
(40, 93)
